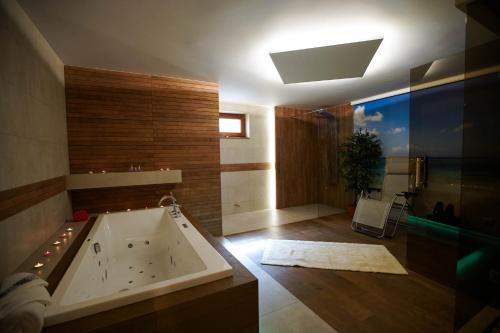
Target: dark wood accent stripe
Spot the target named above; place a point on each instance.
(245, 167)
(15, 200)
(116, 119)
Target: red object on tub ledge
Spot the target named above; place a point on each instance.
(80, 215)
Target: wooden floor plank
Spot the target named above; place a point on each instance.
(357, 301)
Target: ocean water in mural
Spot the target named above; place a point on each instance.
(437, 128)
(388, 118)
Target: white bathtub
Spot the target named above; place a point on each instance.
(143, 254)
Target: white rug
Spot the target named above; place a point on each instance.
(329, 255)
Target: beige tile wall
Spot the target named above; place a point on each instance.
(33, 139)
(245, 191)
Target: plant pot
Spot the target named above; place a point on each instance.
(350, 210)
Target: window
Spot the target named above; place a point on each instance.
(232, 125)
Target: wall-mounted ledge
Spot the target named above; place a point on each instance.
(118, 179)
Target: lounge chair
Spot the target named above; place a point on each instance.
(373, 214)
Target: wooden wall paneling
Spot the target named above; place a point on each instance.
(15, 200)
(307, 162)
(331, 187)
(109, 118)
(297, 157)
(194, 146)
(117, 119)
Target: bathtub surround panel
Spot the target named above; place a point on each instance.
(33, 141)
(118, 119)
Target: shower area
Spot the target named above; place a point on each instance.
(307, 161)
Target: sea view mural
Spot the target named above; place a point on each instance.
(388, 118)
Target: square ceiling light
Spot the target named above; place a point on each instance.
(332, 62)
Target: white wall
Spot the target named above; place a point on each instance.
(245, 191)
(33, 138)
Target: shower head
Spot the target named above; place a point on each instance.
(319, 113)
(322, 113)
(326, 115)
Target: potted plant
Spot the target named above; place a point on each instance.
(359, 157)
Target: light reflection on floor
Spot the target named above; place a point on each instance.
(242, 222)
(279, 310)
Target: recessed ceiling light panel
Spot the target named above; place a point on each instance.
(332, 62)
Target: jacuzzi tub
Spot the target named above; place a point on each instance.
(132, 256)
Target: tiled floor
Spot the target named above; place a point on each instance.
(279, 310)
(237, 223)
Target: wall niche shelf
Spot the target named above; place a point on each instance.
(119, 179)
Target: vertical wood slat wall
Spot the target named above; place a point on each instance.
(297, 155)
(117, 119)
(333, 192)
(302, 140)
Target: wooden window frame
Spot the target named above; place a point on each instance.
(242, 117)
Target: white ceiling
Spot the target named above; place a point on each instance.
(229, 41)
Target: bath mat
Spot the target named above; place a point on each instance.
(329, 255)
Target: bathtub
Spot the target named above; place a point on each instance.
(129, 257)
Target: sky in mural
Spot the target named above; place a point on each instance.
(388, 118)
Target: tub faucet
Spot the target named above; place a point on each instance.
(174, 203)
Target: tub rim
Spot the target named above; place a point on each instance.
(57, 313)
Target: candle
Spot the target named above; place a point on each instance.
(161, 206)
(63, 235)
(161, 169)
(38, 265)
(69, 229)
(168, 169)
(128, 209)
(47, 253)
(91, 172)
(56, 243)
(107, 212)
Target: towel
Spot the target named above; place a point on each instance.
(23, 299)
(27, 319)
(19, 281)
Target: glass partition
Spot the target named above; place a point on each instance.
(454, 231)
